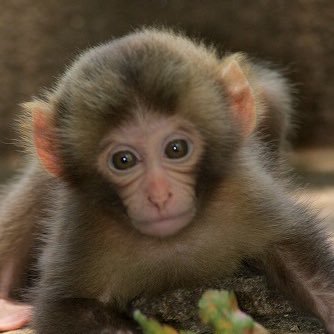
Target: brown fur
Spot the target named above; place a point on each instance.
(94, 262)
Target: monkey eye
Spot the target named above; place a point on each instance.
(177, 149)
(123, 160)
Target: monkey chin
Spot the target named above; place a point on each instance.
(166, 226)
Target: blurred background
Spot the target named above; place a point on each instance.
(39, 38)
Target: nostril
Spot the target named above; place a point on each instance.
(160, 201)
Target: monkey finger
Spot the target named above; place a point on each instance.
(14, 315)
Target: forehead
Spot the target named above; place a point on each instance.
(144, 126)
(122, 81)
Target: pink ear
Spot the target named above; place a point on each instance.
(44, 137)
(240, 94)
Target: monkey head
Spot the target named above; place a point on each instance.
(145, 123)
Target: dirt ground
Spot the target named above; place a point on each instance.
(314, 169)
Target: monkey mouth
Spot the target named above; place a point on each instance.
(165, 226)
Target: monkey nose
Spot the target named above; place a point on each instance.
(160, 201)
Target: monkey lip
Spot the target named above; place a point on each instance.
(165, 226)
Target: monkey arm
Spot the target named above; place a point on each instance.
(301, 266)
(20, 206)
(81, 315)
(298, 254)
(21, 209)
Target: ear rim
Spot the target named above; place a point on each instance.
(43, 136)
(235, 77)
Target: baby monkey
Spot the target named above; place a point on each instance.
(149, 171)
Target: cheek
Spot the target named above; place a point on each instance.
(183, 196)
(131, 195)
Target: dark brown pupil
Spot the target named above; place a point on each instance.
(177, 149)
(124, 160)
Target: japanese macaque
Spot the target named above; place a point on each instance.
(149, 171)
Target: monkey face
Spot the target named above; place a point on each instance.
(145, 130)
(152, 163)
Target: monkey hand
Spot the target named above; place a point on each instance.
(329, 324)
(80, 315)
(14, 315)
